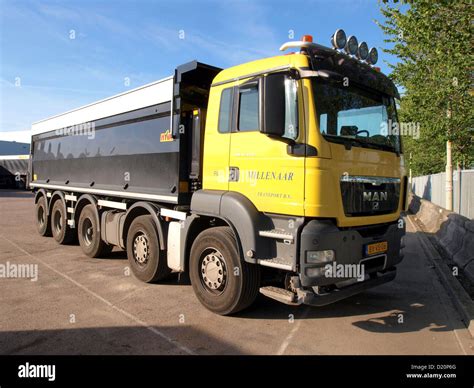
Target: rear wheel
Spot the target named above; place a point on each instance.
(61, 232)
(88, 233)
(42, 220)
(222, 282)
(147, 261)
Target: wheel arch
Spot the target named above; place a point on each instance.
(139, 209)
(83, 201)
(39, 193)
(42, 193)
(57, 195)
(198, 224)
(241, 215)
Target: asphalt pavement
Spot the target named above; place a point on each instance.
(79, 305)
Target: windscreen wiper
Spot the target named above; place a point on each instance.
(348, 142)
(376, 146)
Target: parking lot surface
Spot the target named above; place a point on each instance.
(79, 305)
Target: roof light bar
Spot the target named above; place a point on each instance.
(339, 42)
(306, 45)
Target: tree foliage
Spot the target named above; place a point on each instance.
(432, 40)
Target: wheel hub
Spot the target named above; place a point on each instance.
(213, 271)
(58, 221)
(41, 216)
(141, 249)
(87, 231)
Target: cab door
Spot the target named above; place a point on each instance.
(217, 138)
(261, 167)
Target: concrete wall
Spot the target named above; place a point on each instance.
(433, 188)
(454, 232)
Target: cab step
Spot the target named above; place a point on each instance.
(276, 234)
(280, 295)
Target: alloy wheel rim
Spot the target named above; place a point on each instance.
(141, 249)
(213, 271)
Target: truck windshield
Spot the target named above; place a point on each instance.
(355, 117)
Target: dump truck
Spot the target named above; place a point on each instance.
(275, 176)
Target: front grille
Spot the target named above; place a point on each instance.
(366, 196)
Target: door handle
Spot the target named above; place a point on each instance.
(233, 174)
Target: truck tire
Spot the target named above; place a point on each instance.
(147, 261)
(89, 237)
(43, 224)
(61, 232)
(222, 282)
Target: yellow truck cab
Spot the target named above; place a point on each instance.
(276, 176)
(295, 155)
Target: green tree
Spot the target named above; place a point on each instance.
(432, 40)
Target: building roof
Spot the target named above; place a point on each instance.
(14, 148)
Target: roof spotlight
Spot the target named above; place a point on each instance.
(363, 51)
(338, 40)
(373, 56)
(351, 45)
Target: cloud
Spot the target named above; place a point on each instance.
(25, 16)
(65, 74)
(201, 44)
(59, 12)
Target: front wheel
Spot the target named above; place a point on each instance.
(222, 282)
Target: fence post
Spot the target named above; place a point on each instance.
(449, 177)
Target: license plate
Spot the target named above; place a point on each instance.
(372, 249)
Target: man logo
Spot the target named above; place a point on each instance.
(372, 196)
(375, 205)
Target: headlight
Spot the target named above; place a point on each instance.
(320, 257)
(363, 51)
(373, 56)
(352, 45)
(338, 40)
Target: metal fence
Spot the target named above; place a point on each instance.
(433, 188)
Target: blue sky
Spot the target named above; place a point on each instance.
(119, 45)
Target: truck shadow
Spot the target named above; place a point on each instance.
(408, 304)
(116, 254)
(117, 340)
(388, 316)
(412, 302)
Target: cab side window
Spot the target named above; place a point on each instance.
(291, 109)
(248, 119)
(225, 110)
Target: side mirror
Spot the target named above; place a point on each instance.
(273, 115)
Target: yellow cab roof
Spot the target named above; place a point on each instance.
(240, 71)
